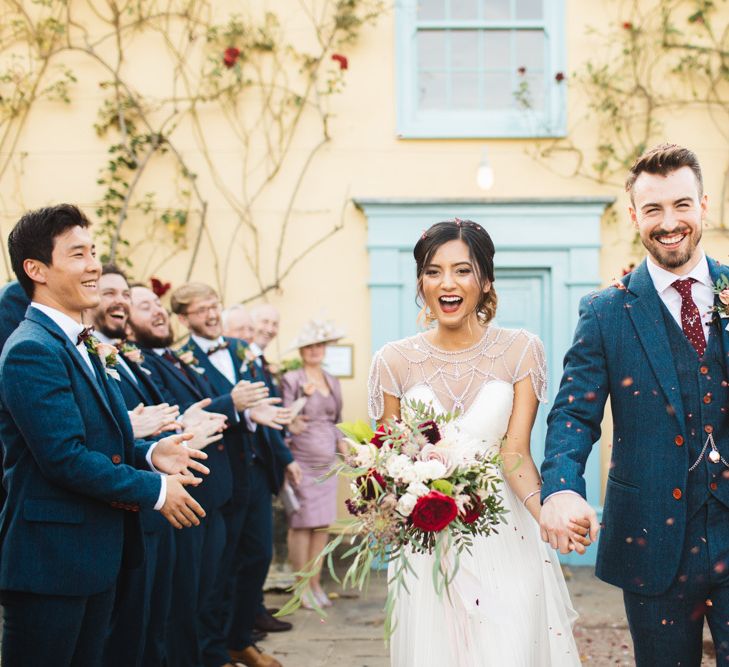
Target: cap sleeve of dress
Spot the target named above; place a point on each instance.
(385, 378)
(532, 362)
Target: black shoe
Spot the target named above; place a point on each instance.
(258, 635)
(268, 623)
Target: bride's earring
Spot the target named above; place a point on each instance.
(429, 317)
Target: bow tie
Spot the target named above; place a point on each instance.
(217, 347)
(85, 334)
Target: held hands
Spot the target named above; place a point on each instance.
(170, 456)
(266, 413)
(248, 394)
(180, 508)
(568, 523)
(153, 419)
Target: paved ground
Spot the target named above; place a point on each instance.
(352, 634)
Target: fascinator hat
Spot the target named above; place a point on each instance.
(316, 331)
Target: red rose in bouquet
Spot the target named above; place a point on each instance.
(434, 511)
(472, 511)
(369, 483)
(431, 431)
(381, 434)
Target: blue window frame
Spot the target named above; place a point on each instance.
(480, 68)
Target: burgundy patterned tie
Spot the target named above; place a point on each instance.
(690, 316)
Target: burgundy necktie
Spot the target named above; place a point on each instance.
(690, 316)
(172, 358)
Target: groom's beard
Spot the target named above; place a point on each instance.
(150, 341)
(677, 258)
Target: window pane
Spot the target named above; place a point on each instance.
(464, 87)
(528, 9)
(429, 10)
(497, 91)
(496, 10)
(431, 49)
(433, 90)
(497, 50)
(535, 83)
(464, 9)
(530, 49)
(464, 49)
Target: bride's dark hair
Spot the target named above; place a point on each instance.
(480, 247)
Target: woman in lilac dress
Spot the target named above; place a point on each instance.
(314, 443)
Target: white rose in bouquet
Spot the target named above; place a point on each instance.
(406, 504)
(364, 456)
(418, 489)
(443, 454)
(426, 471)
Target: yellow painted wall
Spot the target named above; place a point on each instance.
(59, 156)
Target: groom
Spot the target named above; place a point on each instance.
(652, 344)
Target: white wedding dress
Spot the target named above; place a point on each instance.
(508, 605)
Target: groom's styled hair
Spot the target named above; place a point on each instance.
(34, 237)
(664, 159)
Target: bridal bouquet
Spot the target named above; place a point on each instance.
(419, 485)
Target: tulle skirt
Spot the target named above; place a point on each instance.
(508, 605)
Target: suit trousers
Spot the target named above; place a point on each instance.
(142, 605)
(667, 629)
(67, 631)
(199, 550)
(253, 558)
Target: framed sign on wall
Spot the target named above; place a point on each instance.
(339, 360)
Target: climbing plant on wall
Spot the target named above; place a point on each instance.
(263, 81)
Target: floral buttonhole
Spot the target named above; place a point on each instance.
(106, 353)
(188, 358)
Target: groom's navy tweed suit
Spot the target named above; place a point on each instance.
(66, 527)
(665, 535)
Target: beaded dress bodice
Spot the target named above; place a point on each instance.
(456, 378)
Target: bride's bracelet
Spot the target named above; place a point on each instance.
(533, 493)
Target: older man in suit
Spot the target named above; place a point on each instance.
(70, 457)
(657, 344)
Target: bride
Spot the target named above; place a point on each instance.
(508, 604)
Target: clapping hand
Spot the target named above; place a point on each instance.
(267, 413)
(248, 394)
(153, 419)
(298, 425)
(180, 508)
(207, 430)
(170, 456)
(197, 414)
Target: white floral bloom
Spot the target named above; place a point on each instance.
(365, 455)
(418, 489)
(428, 470)
(406, 504)
(443, 454)
(395, 465)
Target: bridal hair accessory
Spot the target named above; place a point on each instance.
(418, 485)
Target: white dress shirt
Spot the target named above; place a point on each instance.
(72, 329)
(702, 290)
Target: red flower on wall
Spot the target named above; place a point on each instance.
(230, 56)
(559, 77)
(342, 60)
(159, 288)
(627, 25)
(521, 71)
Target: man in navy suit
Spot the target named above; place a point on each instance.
(656, 343)
(143, 595)
(13, 304)
(255, 460)
(70, 458)
(183, 382)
